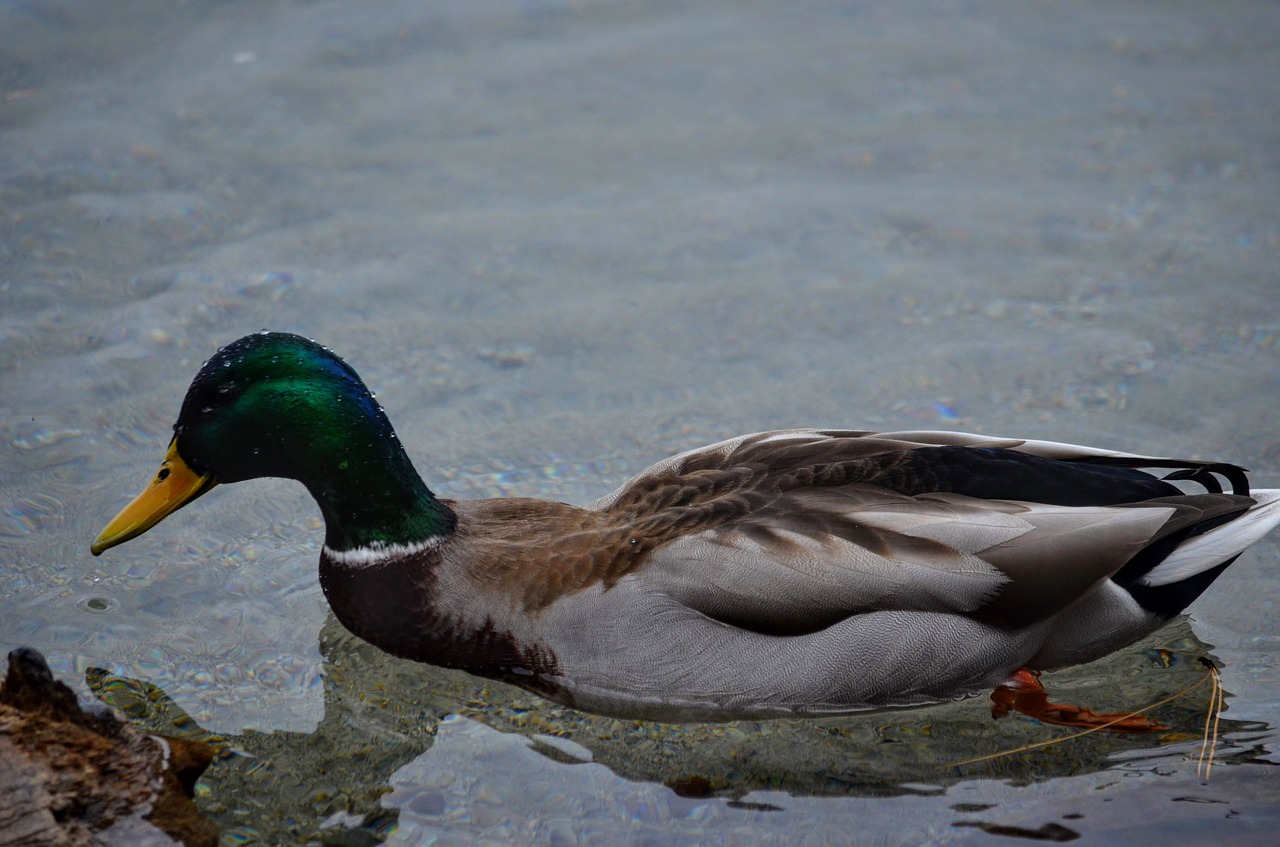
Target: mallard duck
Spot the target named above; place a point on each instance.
(788, 573)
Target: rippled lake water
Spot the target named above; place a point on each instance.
(563, 240)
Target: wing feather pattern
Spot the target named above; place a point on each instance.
(799, 529)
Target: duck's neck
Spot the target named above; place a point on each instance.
(372, 499)
(382, 514)
(348, 456)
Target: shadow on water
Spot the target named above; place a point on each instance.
(381, 715)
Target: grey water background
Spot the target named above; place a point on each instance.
(562, 240)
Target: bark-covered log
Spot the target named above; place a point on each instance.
(74, 777)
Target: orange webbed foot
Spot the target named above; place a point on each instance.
(1022, 692)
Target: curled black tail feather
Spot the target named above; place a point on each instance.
(1199, 472)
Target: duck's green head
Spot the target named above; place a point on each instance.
(275, 404)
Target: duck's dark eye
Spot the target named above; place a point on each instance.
(163, 475)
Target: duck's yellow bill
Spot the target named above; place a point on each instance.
(175, 485)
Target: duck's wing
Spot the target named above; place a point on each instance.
(788, 532)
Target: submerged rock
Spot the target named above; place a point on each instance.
(74, 777)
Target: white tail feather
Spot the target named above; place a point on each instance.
(1217, 545)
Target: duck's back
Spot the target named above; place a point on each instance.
(815, 572)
